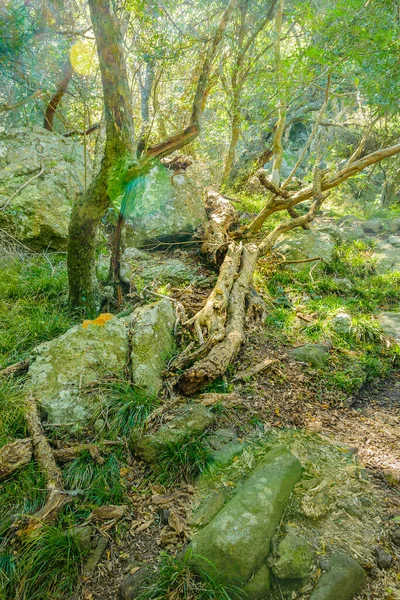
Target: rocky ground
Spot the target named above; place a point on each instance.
(284, 473)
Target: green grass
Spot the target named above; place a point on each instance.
(321, 298)
(47, 567)
(23, 492)
(125, 407)
(175, 580)
(184, 460)
(33, 303)
(97, 484)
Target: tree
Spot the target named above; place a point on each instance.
(119, 163)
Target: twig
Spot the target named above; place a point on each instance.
(22, 187)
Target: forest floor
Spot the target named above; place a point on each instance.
(290, 396)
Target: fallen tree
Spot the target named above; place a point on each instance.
(220, 324)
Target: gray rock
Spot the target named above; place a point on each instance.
(295, 557)
(344, 579)
(312, 354)
(350, 234)
(386, 258)
(225, 446)
(236, 543)
(383, 559)
(82, 534)
(343, 283)
(301, 245)
(67, 363)
(341, 323)
(163, 206)
(372, 226)
(39, 214)
(150, 268)
(152, 343)
(96, 556)
(98, 426)
(392, 225)
(192, 419)
(208, 509)
(396, 537)
(134, 584)
(390, 323)
(394, 240)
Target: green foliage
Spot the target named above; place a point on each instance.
(33, 305)
(175, 580)
(125, 406)
(184, 460)
(22, 493)
(46, 568)
(359, 353)
(96, 482)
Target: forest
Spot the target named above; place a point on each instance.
(199, 300)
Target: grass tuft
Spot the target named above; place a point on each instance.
(47, 567)
(176, 581)
(126, 407)
(184, 460)
(97, 483)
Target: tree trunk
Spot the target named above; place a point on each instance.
(87, 212)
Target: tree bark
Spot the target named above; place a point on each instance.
(57, 96)
(91, 207)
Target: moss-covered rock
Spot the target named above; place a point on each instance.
(390, 323)
(152, 343)
(259, 585)
(312, 354)
(302, 245)
(163, 206)
(295, 557)
(65, 365)
(234, 546)
(191, 420)
(344, 579)
(208, 509)
(38, 214)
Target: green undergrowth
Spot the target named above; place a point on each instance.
(351, 285)
(46, 566)
(97, 483)
(182, 461)
(124, 407)
(33, 303)
(175, 580)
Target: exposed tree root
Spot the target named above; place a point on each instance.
(57, 497)
(216, 362)
(222, 216)
(16, 368)
(14, 456)
(213, 315)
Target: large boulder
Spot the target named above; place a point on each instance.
(233, 547)
(66, 364)
(38, 214)
(152, 343)
(164, 206)
(302, 245)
